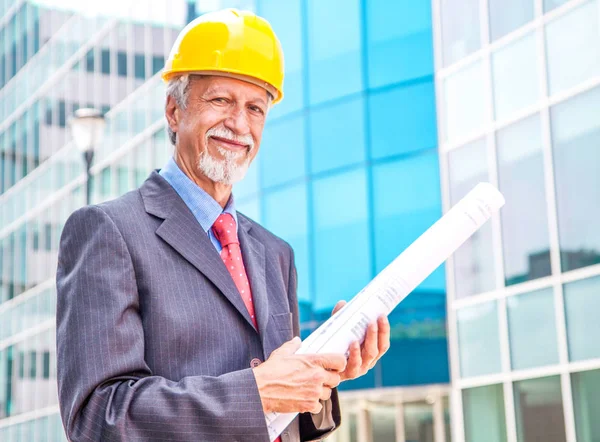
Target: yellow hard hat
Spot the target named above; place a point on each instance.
(231, 43)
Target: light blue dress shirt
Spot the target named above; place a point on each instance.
(203, 206)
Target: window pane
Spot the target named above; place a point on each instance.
(340, 211)
(508, 15)
(460, 29)
(337, 135)
(282, 152)
(483, 409)
(465, 102)
(549, 5)
(474, 260)
(573, 48)
(539, 410)
(532, 329)
(586, 403)
(383, 423)
(575, 135)
(582, 304)
(403, 120)
(285, 215)
(479, 344)
(285, 19)
(524, 221)
(515, 88)
(399, 41)
(334, 47)
(418, 422)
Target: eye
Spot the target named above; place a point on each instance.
(257, 109)
(220, 100)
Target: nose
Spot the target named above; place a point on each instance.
(237, 122)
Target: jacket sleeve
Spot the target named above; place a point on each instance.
(312, 426)
(106, 390)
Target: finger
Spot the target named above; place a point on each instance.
(383, 338)
(331, 379)
(369, 348)
(317, 408)
(288, 348)
(330, 361)
(354, 362)
(326, 394)
(338, 307)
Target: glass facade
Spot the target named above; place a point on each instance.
(517, 91)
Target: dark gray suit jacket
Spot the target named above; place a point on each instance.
(154, 341)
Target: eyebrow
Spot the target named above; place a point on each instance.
(212, 90)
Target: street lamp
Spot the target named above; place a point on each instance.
(87, 130)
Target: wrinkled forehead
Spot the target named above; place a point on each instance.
(216, 84)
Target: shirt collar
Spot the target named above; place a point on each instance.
(205, 209)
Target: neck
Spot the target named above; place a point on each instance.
(218, 191)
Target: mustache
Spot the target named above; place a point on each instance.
(223, 132)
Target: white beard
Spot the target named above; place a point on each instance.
(226, 171)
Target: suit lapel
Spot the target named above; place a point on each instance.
(181, 230)
(253, 253)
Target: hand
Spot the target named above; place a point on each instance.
(376, 343)
(290, 383)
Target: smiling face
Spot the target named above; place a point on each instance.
(220, 129)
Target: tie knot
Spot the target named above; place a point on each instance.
(224, 229)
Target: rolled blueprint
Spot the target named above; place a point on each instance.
(397, 280)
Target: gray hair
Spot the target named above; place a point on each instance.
(178, 88)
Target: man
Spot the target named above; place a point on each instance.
(169, 300)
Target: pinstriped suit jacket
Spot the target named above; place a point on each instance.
(154, 341)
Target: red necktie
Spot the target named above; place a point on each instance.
(231, 254)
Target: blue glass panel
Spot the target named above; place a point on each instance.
(532, 329)
(460, 29)
(484, 414)
(582, 304)
(285, 215)
(334, 49)
(575, 137)
(250, 208)
(478, 340)
(250, 185)
(282, 157)
(508, 15)
(285, 19)
(400, 41)
(337, 135)
(342, 255)
(407, 201)
(403, 120)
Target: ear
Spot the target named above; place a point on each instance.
(172, 113)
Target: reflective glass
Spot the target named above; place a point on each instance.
(282, 152)
(582, 304)
(337, 136)
(334, 44)
(524, 221)
(460, 29)
(515, 75)
(342, 267)
(483, 409)
(285, 19)
(549, 5)
(586, 404)
(285, 214)
(573, 47)
(403, 120)
(383, 423)
(418, 422)
(399, 41)
(508, 15)
(465, 102)
(575, 137)
(474, 260)
(532, 329)
(539, 410)
(478, 340)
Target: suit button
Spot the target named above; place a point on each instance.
(255, 362)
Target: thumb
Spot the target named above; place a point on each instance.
(338, 307)
(289, 348)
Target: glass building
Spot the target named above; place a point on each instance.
(392, 112)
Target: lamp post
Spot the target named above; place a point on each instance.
(87, 130)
